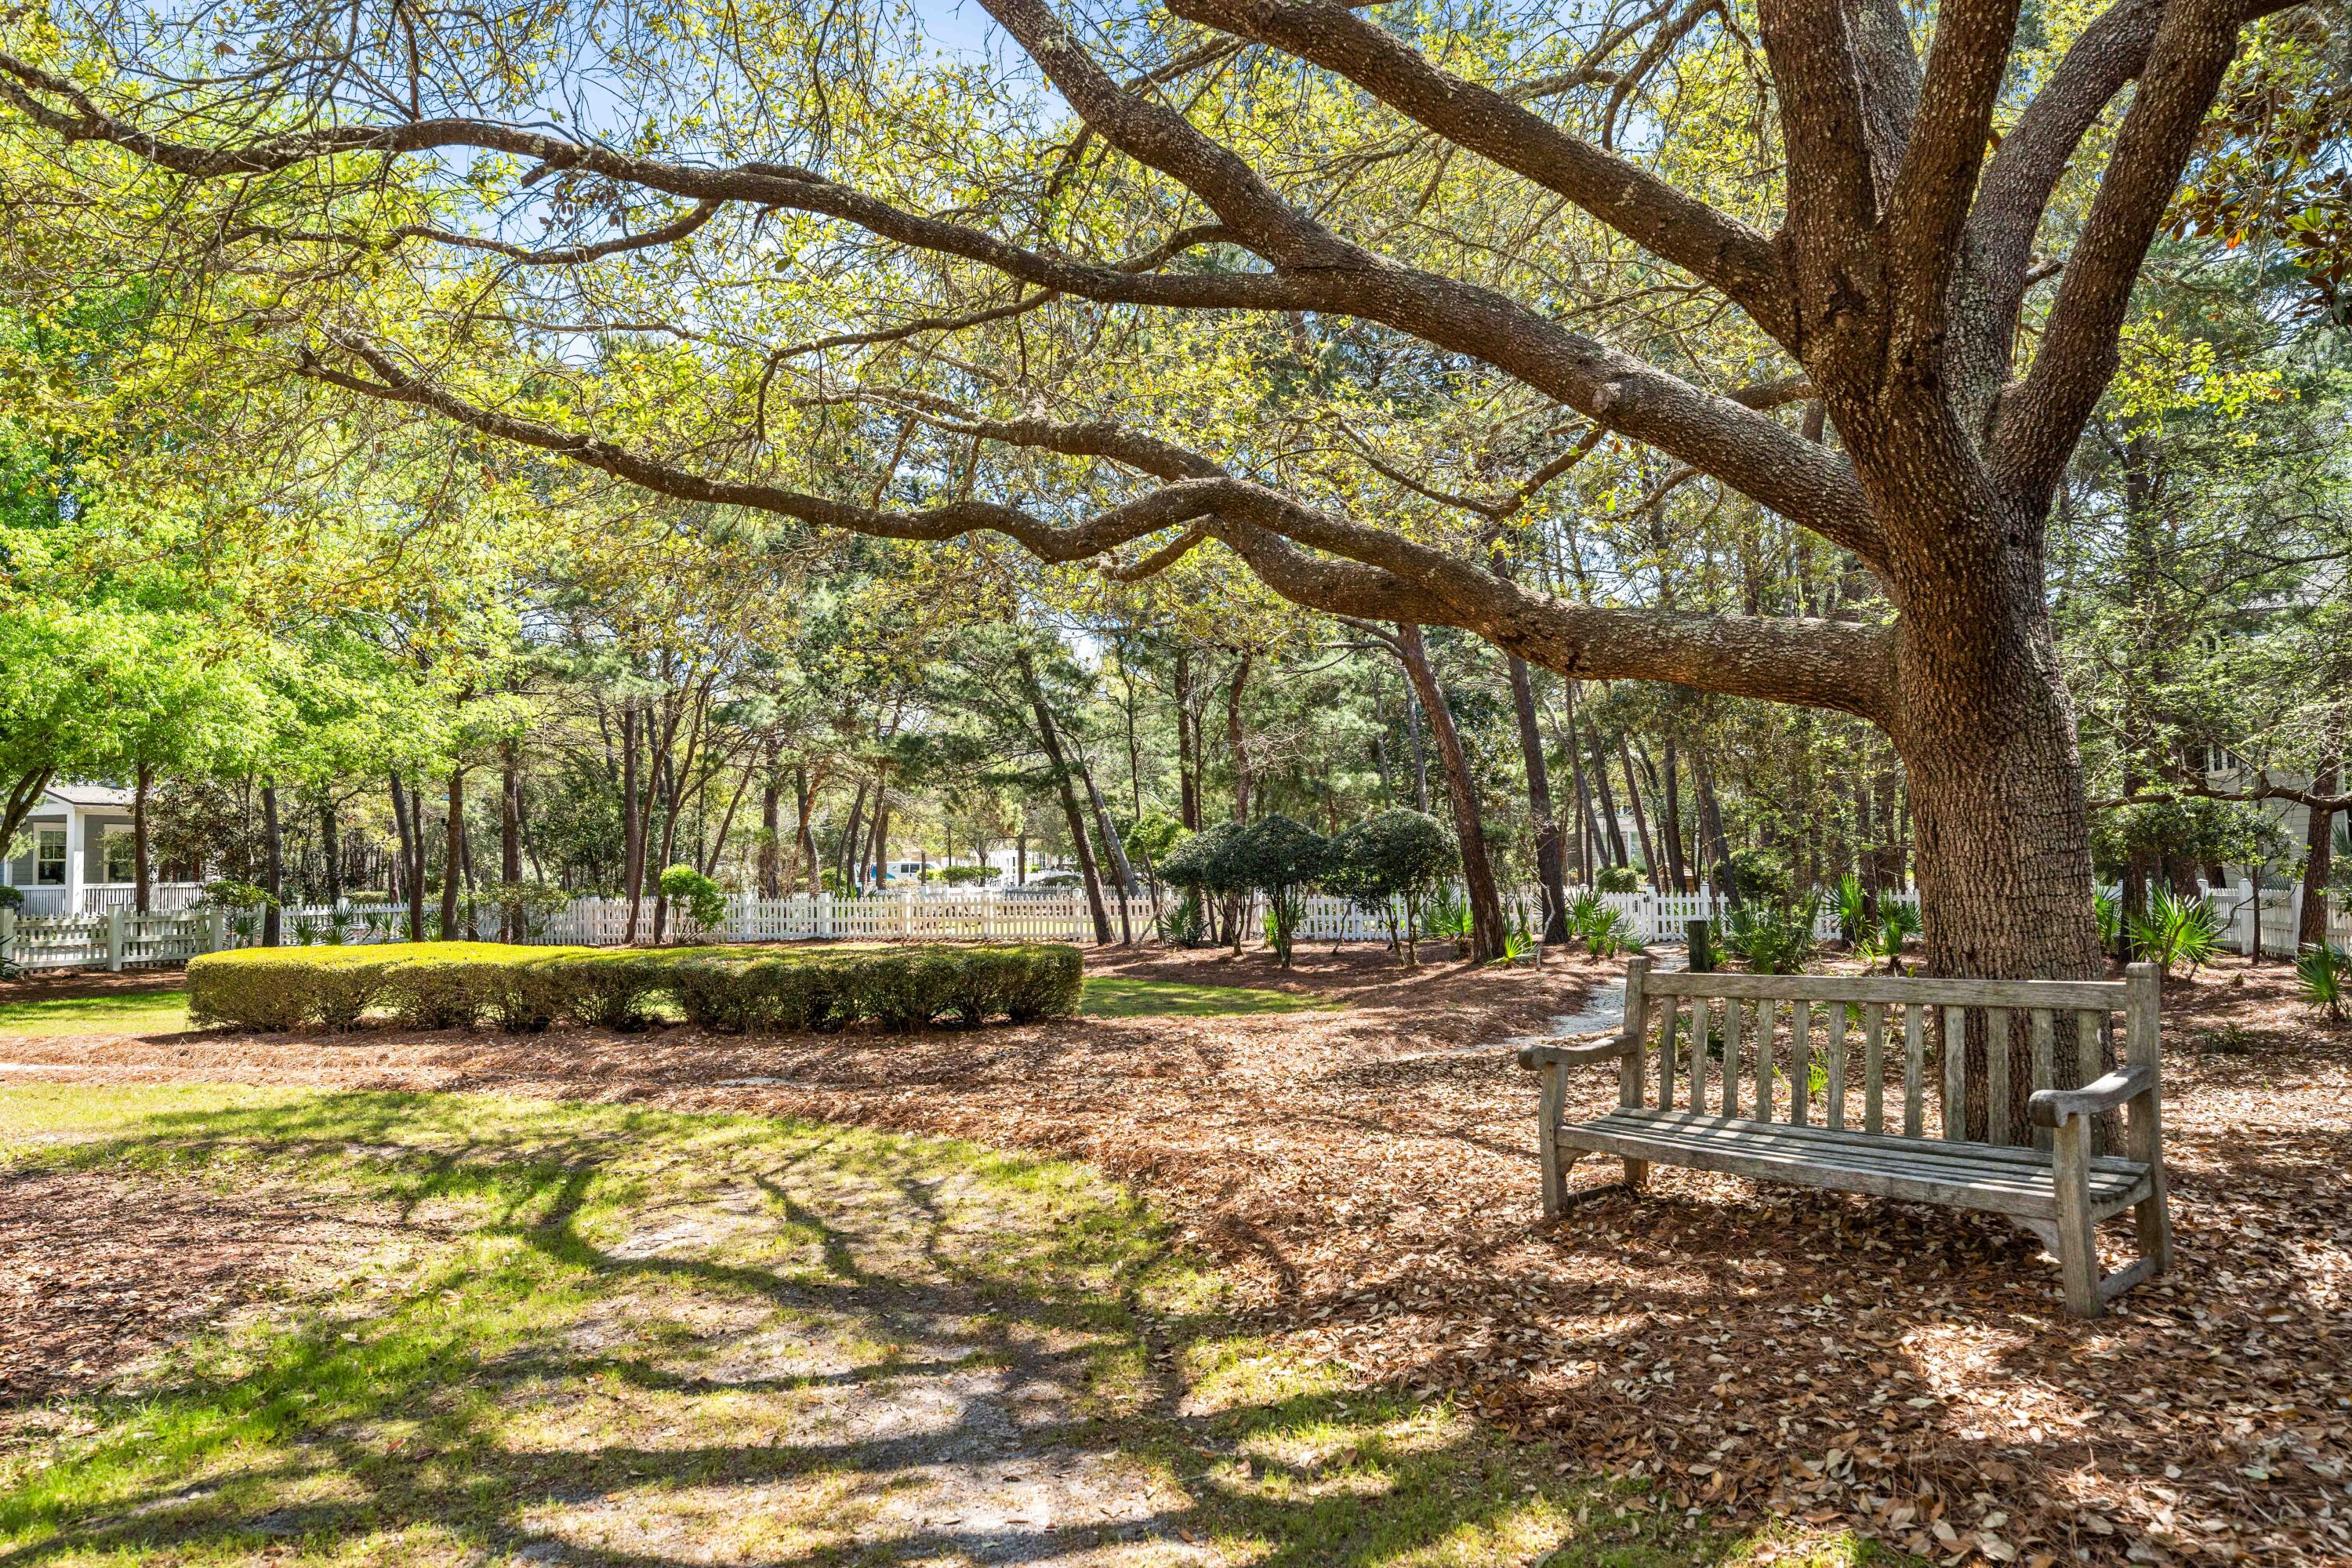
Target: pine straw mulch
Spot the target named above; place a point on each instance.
(1370, 1174)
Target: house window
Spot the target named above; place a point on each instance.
(49, 857)
(121, 866)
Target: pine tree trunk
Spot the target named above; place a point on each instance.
(1670, 821)
(1188, 745)
(453, 854)
(273, 864)
(803, 808)
(1548, 860)
(772, 829)
(1462, 789)
(2319, 849)
(330, 847)
(1050, 741)
(1617, 856)
(511, 924)
(1235, 740)
(142, 872)
(1641, 818)
(633, 828)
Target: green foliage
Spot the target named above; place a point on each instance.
(1883, 938)
(1184, 924)
(2177, 929)
(1772, 938)
(522, 990)
(534, 903)
(1760, 876)
(2198, 830)
(1389, 861)
(963, 876)
(1282, 859)
(1209, 861)
(702, 899)
(11, 897)
(2108, 910)
(2323, 978)
(229, 894)
(1617, 880)
(1853, 909)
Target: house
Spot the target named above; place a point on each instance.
(77, 857)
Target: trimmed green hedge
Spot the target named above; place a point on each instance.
(522, 990)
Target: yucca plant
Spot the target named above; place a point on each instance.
(2176, 931)
(2323, 978)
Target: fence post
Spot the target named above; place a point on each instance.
(114, 941)
(7, 938)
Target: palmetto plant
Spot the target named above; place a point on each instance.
(1884, 940)
(2176, 931)
(2323, 978)
(1773, 939)
(2109, 908)
(1853, 909)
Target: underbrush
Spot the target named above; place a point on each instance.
(523, 990)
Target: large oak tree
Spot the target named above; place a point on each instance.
(1909, 404)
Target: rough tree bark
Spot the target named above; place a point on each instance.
(142, 872)
(2319, 847)
(273, 866)
(453, 853)
(510, 921)
(1235, 740)
(1549, 870)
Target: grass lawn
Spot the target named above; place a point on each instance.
(118, 1013)
(589, 1333)
(1114, 997)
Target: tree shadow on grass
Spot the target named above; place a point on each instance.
(661, 1338)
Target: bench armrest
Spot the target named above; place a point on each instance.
(2051, 1107)
(1602, 1050)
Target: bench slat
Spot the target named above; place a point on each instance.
(1801, 1063)
(1996, 1075)
(2045, 1030)
(1874, 1067)
(2103, 995)
(1914, 1052)
(1969, 1176)
(1835, 1046)
(1668, 1014)
(1955, 1050)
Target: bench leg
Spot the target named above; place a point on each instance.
(1552, 1099)
(2078, 1241)
(1637, 1174)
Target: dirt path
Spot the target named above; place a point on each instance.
(1834, 1359)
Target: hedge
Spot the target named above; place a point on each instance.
(522, 990)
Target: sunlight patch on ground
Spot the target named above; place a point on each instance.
(1117, 996)
(119, 1013)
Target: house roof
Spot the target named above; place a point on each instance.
(87, 794)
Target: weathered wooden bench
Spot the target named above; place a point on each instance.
(1776, 1101)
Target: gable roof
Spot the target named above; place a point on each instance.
(85, 796)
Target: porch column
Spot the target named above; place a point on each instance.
(76, 853)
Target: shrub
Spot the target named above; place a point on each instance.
(963, 876)
(11, 897)
(1771, 939)
(2323, 978)
(1281, 858)
(442, 986)
(1617, 880)
(1389, 861)
(2177, 929)
(703, 901)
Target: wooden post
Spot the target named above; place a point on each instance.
(114, 941)
(1629, 1066)
(8, 937)
(2078, 1241)
(1700, 937)
(2152, 1216)
(1552, 1100)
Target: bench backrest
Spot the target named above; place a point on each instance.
(1788, 1047)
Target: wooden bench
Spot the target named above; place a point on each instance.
(1807, 1102)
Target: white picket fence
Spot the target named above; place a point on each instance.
(121, 940)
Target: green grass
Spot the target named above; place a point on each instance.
(600, 1333)
(1114, 997)
(117, 1013)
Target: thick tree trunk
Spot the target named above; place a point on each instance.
(1549, 870)
(1462, 789)
(1049, 739)
(1420, 755)
(845, 857)
(1118, 852)
(273, 866)
(1719, 842)
(453, 853)
(2319, 848)
(142, 874)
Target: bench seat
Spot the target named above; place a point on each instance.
(2019, 1182)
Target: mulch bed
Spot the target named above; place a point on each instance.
(1370, 1175)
